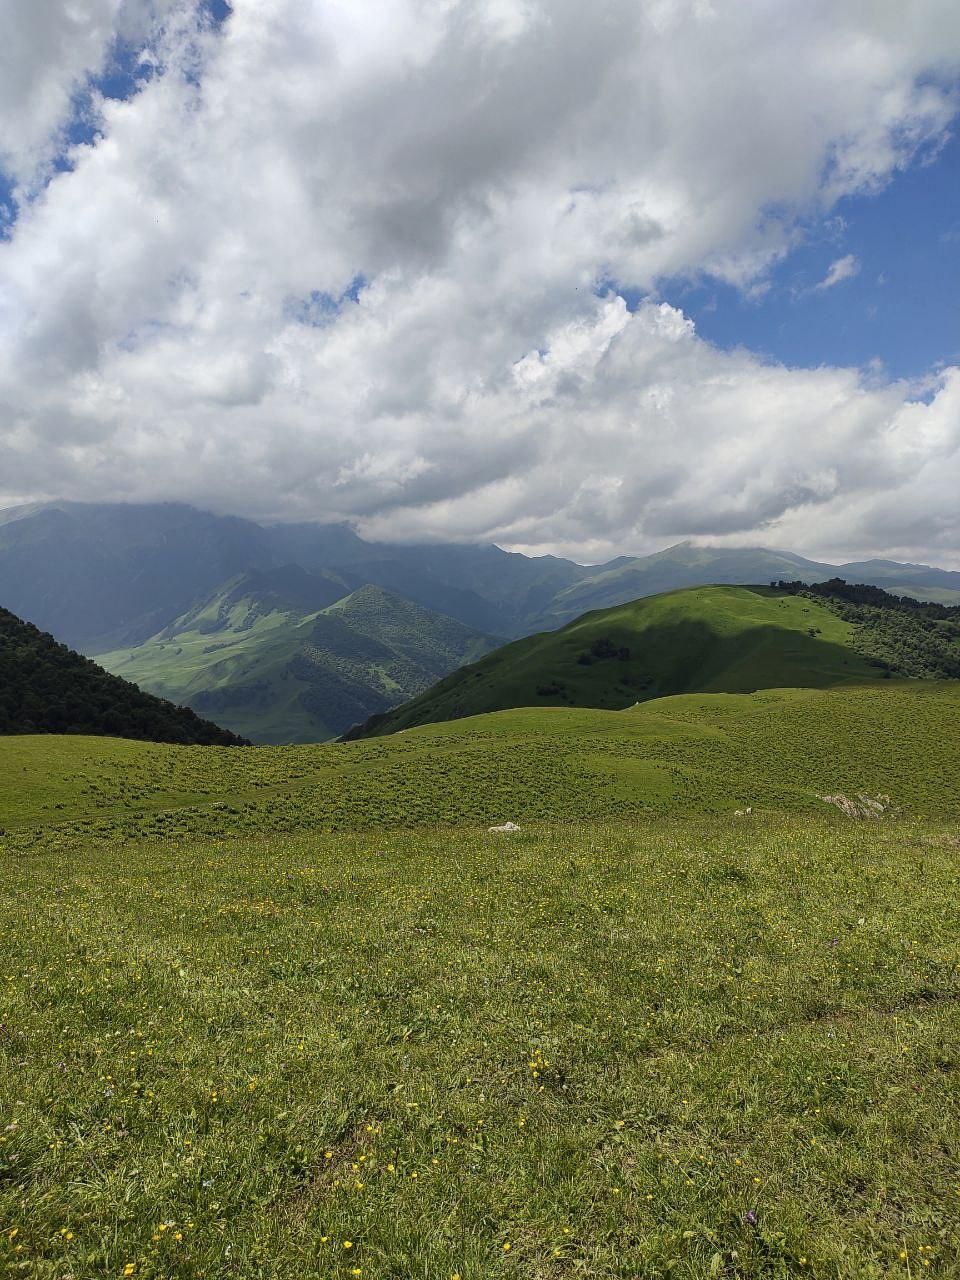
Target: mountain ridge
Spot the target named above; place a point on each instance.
(291, 656)
(107, 576)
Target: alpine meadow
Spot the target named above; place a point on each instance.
(479, 640)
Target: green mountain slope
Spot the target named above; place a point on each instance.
(47, 688)
(290, 656)
(704, 639)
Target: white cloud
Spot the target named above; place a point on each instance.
(842, 269)
(480, 167)
(50, 48)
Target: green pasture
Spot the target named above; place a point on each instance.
(697, 640)
(271, 1013)
(712, 1047)
(692, 754)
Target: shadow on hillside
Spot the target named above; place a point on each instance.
(658, 661)
(693, 657)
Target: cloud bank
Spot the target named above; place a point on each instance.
(354, 260)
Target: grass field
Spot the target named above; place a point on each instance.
(692, 754)
(684, 1049)
(252, 1027)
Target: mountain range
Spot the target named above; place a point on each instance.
(284, 655)
(294, 632)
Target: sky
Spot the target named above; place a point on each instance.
(576, 279)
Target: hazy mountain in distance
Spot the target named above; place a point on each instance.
(285, 655)
(686, 565)
(108, 576)
(105, 576)
(100, 576)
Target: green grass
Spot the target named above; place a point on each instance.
(692, 754)
(255, 1004)
(683, 1049)
(701, 639)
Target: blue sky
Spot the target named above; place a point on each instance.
(896, 312)
(902, 307)
(122, 77)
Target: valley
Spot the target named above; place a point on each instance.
(237, 619)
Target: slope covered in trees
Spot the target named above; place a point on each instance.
(905, 637)
(47, 688)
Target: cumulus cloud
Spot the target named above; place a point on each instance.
(357, 260)
(50, 50)
(842, 269)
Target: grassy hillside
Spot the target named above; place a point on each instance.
(723, 639)
(295, 1040)
(47, 688)
(291, 656)
(688, 755)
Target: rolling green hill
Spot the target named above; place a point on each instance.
(290, 656)
(47, 688)
(693, 754)
(704, 639)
